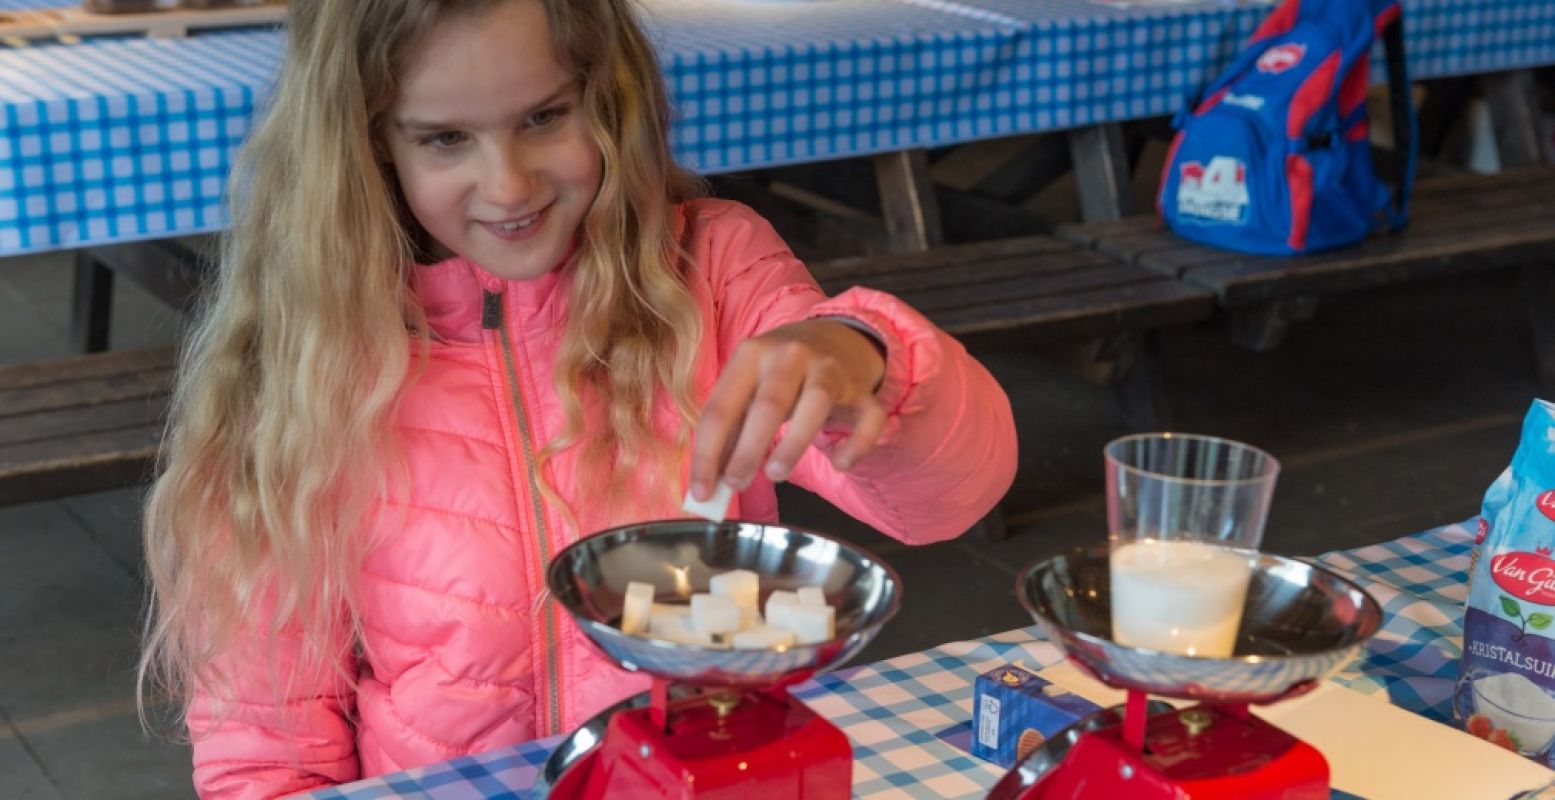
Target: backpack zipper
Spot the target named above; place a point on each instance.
(493, 319)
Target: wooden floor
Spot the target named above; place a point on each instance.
(1390, 411)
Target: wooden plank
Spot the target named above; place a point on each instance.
(88, 463)
(86, 367)
(65, 423)
(960, 273)
(1443, 253)
(992, 296)
(86, 392)
(858, 267)
(1088, 233)
(1084, 314)
(1133, 237)
(74, 21)
(1463, 226)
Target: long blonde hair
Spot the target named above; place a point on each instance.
(278, 439)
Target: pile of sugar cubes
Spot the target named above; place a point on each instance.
(729, 615)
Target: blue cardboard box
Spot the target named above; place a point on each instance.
(1013, 711)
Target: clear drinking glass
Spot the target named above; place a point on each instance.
(1185, 517)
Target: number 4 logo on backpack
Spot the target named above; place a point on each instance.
(1217, 191)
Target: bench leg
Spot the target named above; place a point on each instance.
(91, 305)
(1514, 114)
(1101, 168)
(907, 201)
(1538, 289)
(1140, 390)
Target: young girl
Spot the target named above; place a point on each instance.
(468, 312)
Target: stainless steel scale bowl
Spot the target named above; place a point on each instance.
(679, 557)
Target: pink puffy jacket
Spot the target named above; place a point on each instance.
(463, 651)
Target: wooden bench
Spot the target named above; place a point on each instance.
(1037, 290)
(81, 424)
(1458, 224)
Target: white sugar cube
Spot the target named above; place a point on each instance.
(764, 637)
(714, 613)
(637, 606)
(778, 604)
(714, 508)
(675, 626)
(749, 618)
(811, 596)
(811, 624)
(741, 584)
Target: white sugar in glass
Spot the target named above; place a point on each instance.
(1185, 518)
(1181, 597)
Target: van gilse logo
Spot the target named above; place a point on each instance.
(1214, 191)
(1528, 576)
(1281, 57)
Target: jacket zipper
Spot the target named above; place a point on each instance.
(493, 319)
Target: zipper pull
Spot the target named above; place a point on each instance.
(491, 310)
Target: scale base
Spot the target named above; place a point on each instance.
(730, 744)
(1204, 753)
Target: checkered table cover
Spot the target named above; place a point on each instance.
(123, 139)
(892, 710)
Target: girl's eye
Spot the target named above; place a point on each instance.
(547, 116)
(442, 139)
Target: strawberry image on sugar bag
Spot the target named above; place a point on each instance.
(1506, 682)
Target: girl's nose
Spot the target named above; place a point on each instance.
(508, 182)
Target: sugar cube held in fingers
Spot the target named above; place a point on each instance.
(713, 509)
(637, 606)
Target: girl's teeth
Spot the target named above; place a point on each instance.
(513, 226)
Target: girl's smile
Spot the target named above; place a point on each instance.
(517, 229)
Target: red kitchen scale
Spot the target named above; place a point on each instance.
(717, 723)
(1300, 624)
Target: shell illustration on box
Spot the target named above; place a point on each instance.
(1506, 683)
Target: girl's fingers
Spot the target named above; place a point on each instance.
(776, 392)
(867, 426)
(810, 413)
(722, 418)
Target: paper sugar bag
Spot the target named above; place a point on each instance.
(1506, 684)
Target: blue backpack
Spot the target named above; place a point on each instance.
(1274, 157)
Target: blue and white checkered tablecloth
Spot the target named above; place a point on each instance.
(116, 140)
(894, 710)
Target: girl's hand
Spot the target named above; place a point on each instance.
(808, 374)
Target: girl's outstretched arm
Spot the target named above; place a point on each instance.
(921, 458)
